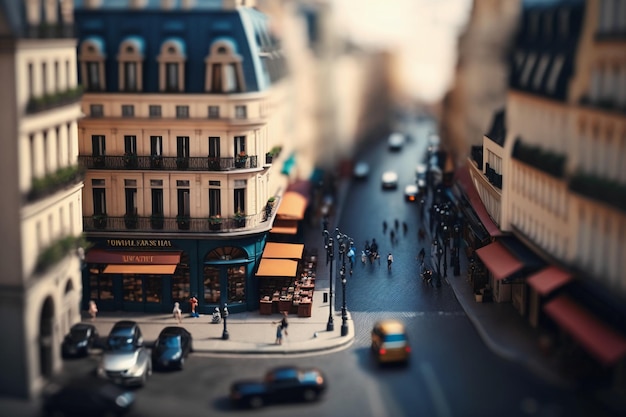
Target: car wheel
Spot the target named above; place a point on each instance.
(309, 395)
(255, 402)
(181, 364)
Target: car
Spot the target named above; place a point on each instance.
(361, 170)
(125, 360)
(411, 192)
(81, 338)
(389, 180)
(421, 171)
(281, 384)
(86, 396)
(171, 348)
(395, 141)
(390, 342)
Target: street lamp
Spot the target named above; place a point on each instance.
(445, 251)
(225, 316)
(457, 247)
(345, 243)
(329, 246)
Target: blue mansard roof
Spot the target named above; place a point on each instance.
(194, 30)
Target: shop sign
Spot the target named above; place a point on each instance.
(139, 243)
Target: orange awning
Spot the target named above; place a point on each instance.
(285, 227)
(464, 179)
(277, 268)
(599, 339)
(139, 269)
(292, 206)
(549, 279)
(499, 260)
(102, 256)
(283, 250)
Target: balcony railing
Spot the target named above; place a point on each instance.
(54, 100)
(51, 183)
(167, 163)
(179, 224)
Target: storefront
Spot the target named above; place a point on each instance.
(150, 275)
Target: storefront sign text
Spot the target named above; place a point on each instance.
(139, 243)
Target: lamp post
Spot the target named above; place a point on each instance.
(225, 316)
(445, 251)
(329, 246)
(345, 243)
(439, 255)
(457, 248)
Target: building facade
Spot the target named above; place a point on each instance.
(186, 110)
(42, 203)
(552, 180)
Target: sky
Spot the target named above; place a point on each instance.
(423, 32)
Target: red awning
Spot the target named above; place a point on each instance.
(102, 256)
(602, 341)
(549, 279)
(464, 179)
(499, 260)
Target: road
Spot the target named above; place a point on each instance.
(452, 372)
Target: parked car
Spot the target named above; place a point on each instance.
(125, 360)
(411, 192)
(172, 348)
(420, 176)
(361, 170)
(390, 342)
(395, 141)
(282, 384)
(389, 180)
(86, 397)
(81, 338)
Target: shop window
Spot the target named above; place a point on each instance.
(133, 291)
(180, 281)
(226, 253)
(212, 290)
(236, 284)
(100, 286)
(154, 288)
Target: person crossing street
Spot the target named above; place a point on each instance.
(389, 261)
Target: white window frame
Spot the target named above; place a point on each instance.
(171, 54)
(129, 53)
(222, 52)
(90, 53)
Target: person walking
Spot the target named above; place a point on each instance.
(177, 313)
(389, 261)
(193, 305)
(384, 226)
(279, 335)
(283, 323)
(93, 310)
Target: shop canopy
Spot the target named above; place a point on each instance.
(135, 262)
(283, 250)
(464, 179)
(277, 268)
(284, 227)
(500, 262)
(605, 343)
(549, 279)
(294, 201)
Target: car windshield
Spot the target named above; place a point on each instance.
(395, 338)
(78, 333)
(119, 342)
(170, 341)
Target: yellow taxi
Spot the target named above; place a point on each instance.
(390, 342)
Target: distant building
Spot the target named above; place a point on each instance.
(184, 139)
(549, 174)
(41, 204)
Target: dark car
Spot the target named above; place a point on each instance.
(171, 348)
(125, 360)
(283, 384)
(79, 340)
(86, 397)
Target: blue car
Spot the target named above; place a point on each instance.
(172, 348)
(79, 340)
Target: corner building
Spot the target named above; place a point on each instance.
(183, 131)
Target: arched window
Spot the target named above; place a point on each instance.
(172, 66)
(224, 73)
(130, 68)
(91, 60)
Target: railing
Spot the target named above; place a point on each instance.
(167, 163)
(173, 224)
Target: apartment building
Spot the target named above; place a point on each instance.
(548, 175)
(41, 207)
(184, 141)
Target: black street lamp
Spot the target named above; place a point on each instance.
(457, 248)
(445, 251)
(345, 243)
(329, 246)
(225, 316)
(439, 255)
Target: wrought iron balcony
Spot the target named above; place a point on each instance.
(167, 163)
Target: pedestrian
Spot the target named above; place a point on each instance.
(421, 255)
(217, 316)
(405, 228)
(324, 223)
(279, 335)
(193, 304)
(363, 257)
(351, 257)
(93, 310)
(384, 227)
(177, 313)
(389, 261)
(283, 323)
(396, 223)
(421, 234)
(392, 235)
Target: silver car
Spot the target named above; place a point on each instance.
(125, 360)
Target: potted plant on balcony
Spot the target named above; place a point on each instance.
(269, 206)
(156, 220)
(215, 222)
(240, 219)
(131, 220)
(273, 153)
(130, 160)
(240, 160)
(183, 222)
(100, 220)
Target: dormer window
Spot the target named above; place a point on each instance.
(172, 66)
(91, 58)
(130, 64)
(224, 73)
